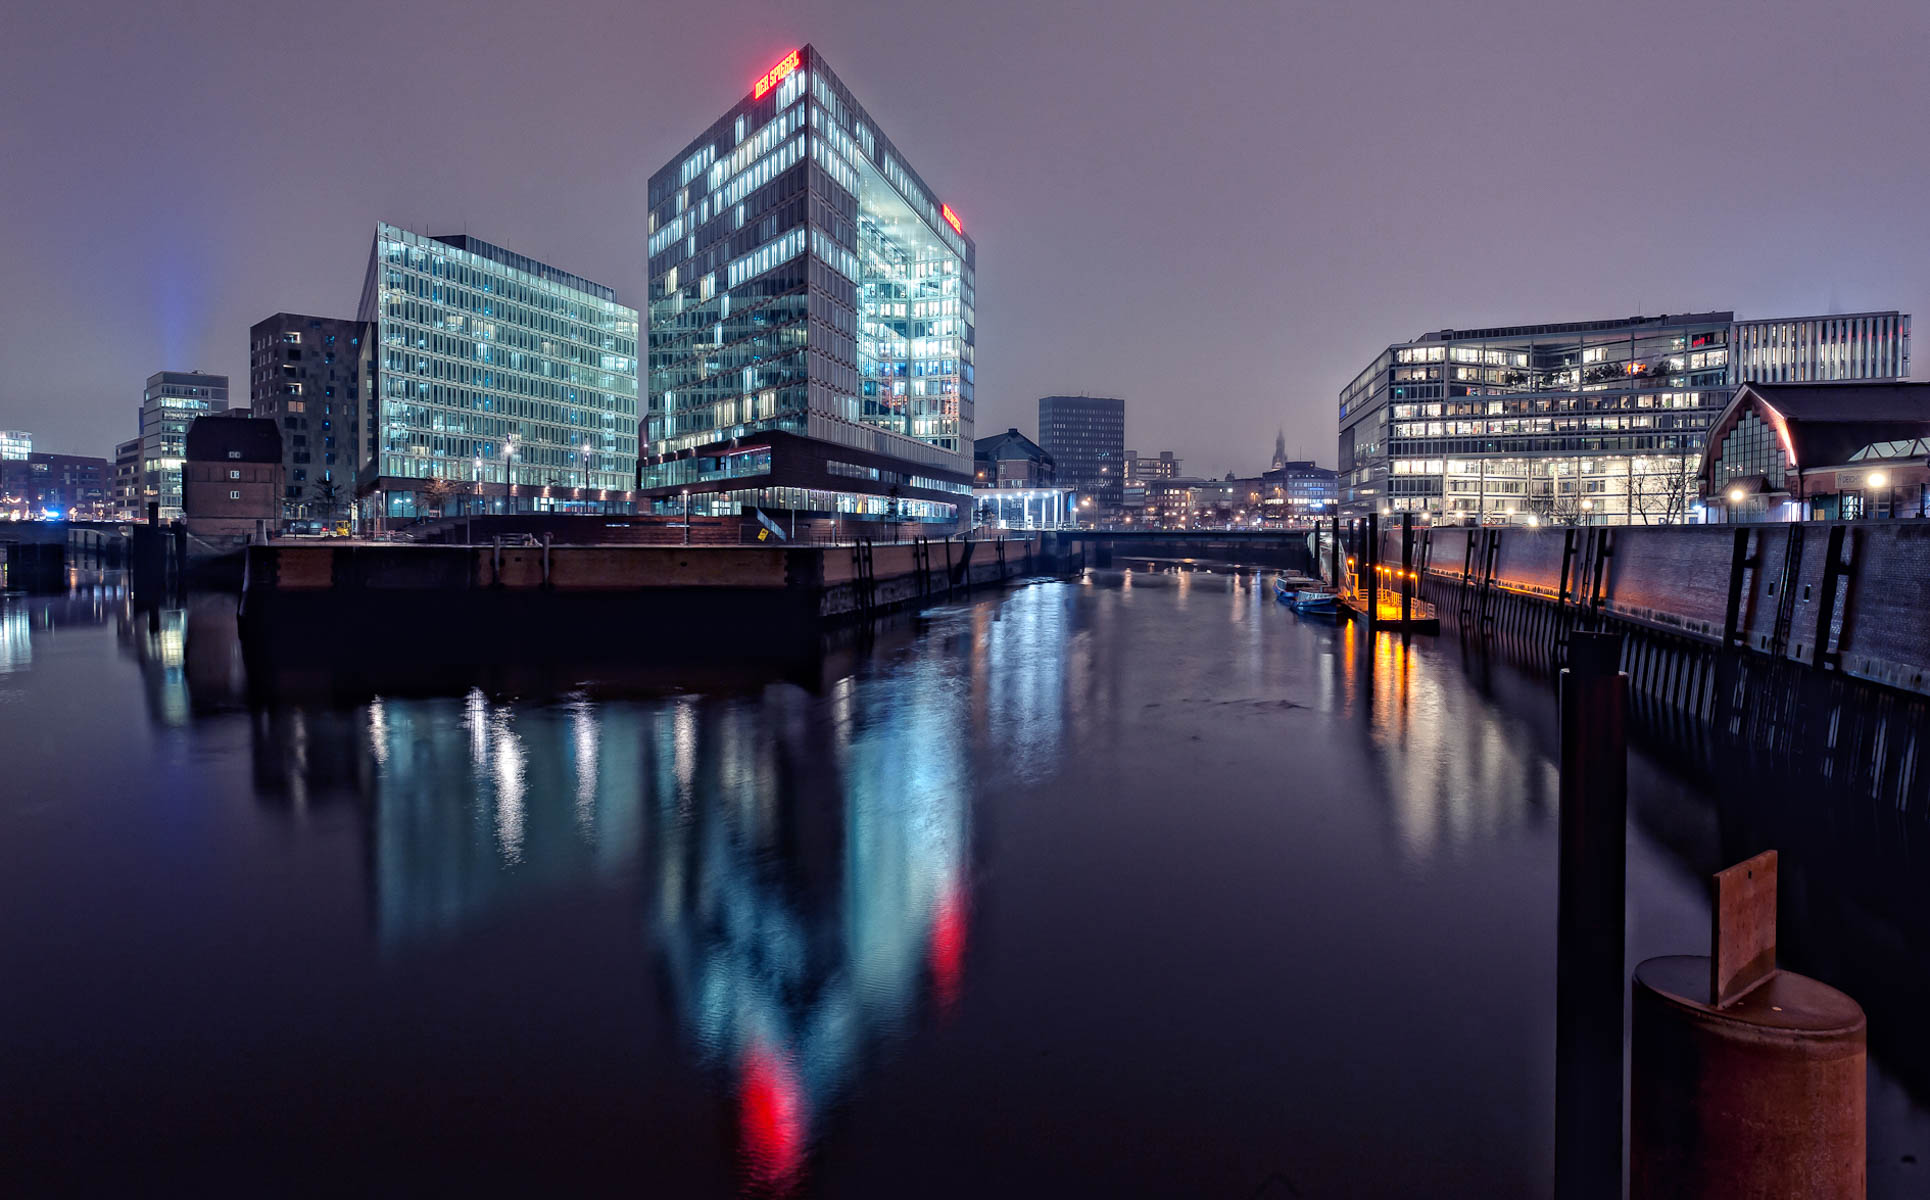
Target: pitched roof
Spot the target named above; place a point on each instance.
(1829, 422)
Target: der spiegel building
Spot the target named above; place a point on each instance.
(810, 318)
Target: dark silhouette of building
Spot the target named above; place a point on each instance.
(1086, 437)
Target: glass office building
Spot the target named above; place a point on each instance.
(16, 444)
(508, 380)
(169, 404)
(810, 317)
(1590, 422)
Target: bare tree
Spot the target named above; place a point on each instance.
(1661, 494)
(1555, 507)
(328, 498)
(438, 494)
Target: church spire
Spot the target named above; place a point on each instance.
(1279, 449)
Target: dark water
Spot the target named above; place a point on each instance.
(1134, 886)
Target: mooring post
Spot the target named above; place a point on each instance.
(1336, 552)
(1372, 574)
(1407, 569)
(1744, 1079)
(1589, 920)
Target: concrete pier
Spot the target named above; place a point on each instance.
(311, 601)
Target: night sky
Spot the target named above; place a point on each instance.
(1219, 211)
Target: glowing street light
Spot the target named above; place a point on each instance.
(1878, 479)
(1735, 495)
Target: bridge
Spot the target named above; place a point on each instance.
(1286, 548)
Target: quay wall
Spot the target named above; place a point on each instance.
(1868, 617)
(315, 599)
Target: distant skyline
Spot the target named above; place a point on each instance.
(1218, 211)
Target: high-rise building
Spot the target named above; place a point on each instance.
(169, 404)
(1588, 422)
(1086, 437)
(306, 374)
(498, 382)
(15, 443)
(811, 308)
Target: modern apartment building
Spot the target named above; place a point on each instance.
(15, 444)
(55, 485)
(307, 375)
(1086, 437)
(1586, 422)
(498, 383)
(169, 404)
(811, 308)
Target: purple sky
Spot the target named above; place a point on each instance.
(1219, 211)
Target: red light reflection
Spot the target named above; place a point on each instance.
(948, 947)
(772, 1115)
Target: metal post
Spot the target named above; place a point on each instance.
(1336, 552)
(1371, 557)
(686, 516)
(1590, 919)
(1407, 569)
(1745, 1079)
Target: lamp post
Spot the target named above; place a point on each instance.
(686, 495)
(509, 476)
(469, 523)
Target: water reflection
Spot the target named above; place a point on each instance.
(1149, 825)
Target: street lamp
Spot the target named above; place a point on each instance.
(1878, 479)
(1735, 495)
(686, 496)
(469, 523)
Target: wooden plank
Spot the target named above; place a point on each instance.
(1743, 949)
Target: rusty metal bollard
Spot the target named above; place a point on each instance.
(1744, 1080)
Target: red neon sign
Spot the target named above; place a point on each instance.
(772, 77)
(951, 218)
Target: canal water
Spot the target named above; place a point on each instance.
(1133, 885)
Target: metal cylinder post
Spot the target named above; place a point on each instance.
(1589, 921)
(1744, 1080)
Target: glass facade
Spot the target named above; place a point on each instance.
(1581, 423)
(500, 383)
(805, 281)
(15, 444)
(169, 404)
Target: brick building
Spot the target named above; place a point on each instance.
(232, 478)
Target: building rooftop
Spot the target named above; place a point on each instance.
(1829, 423)
(1516, 331)
(237, 439)
(524, 263)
